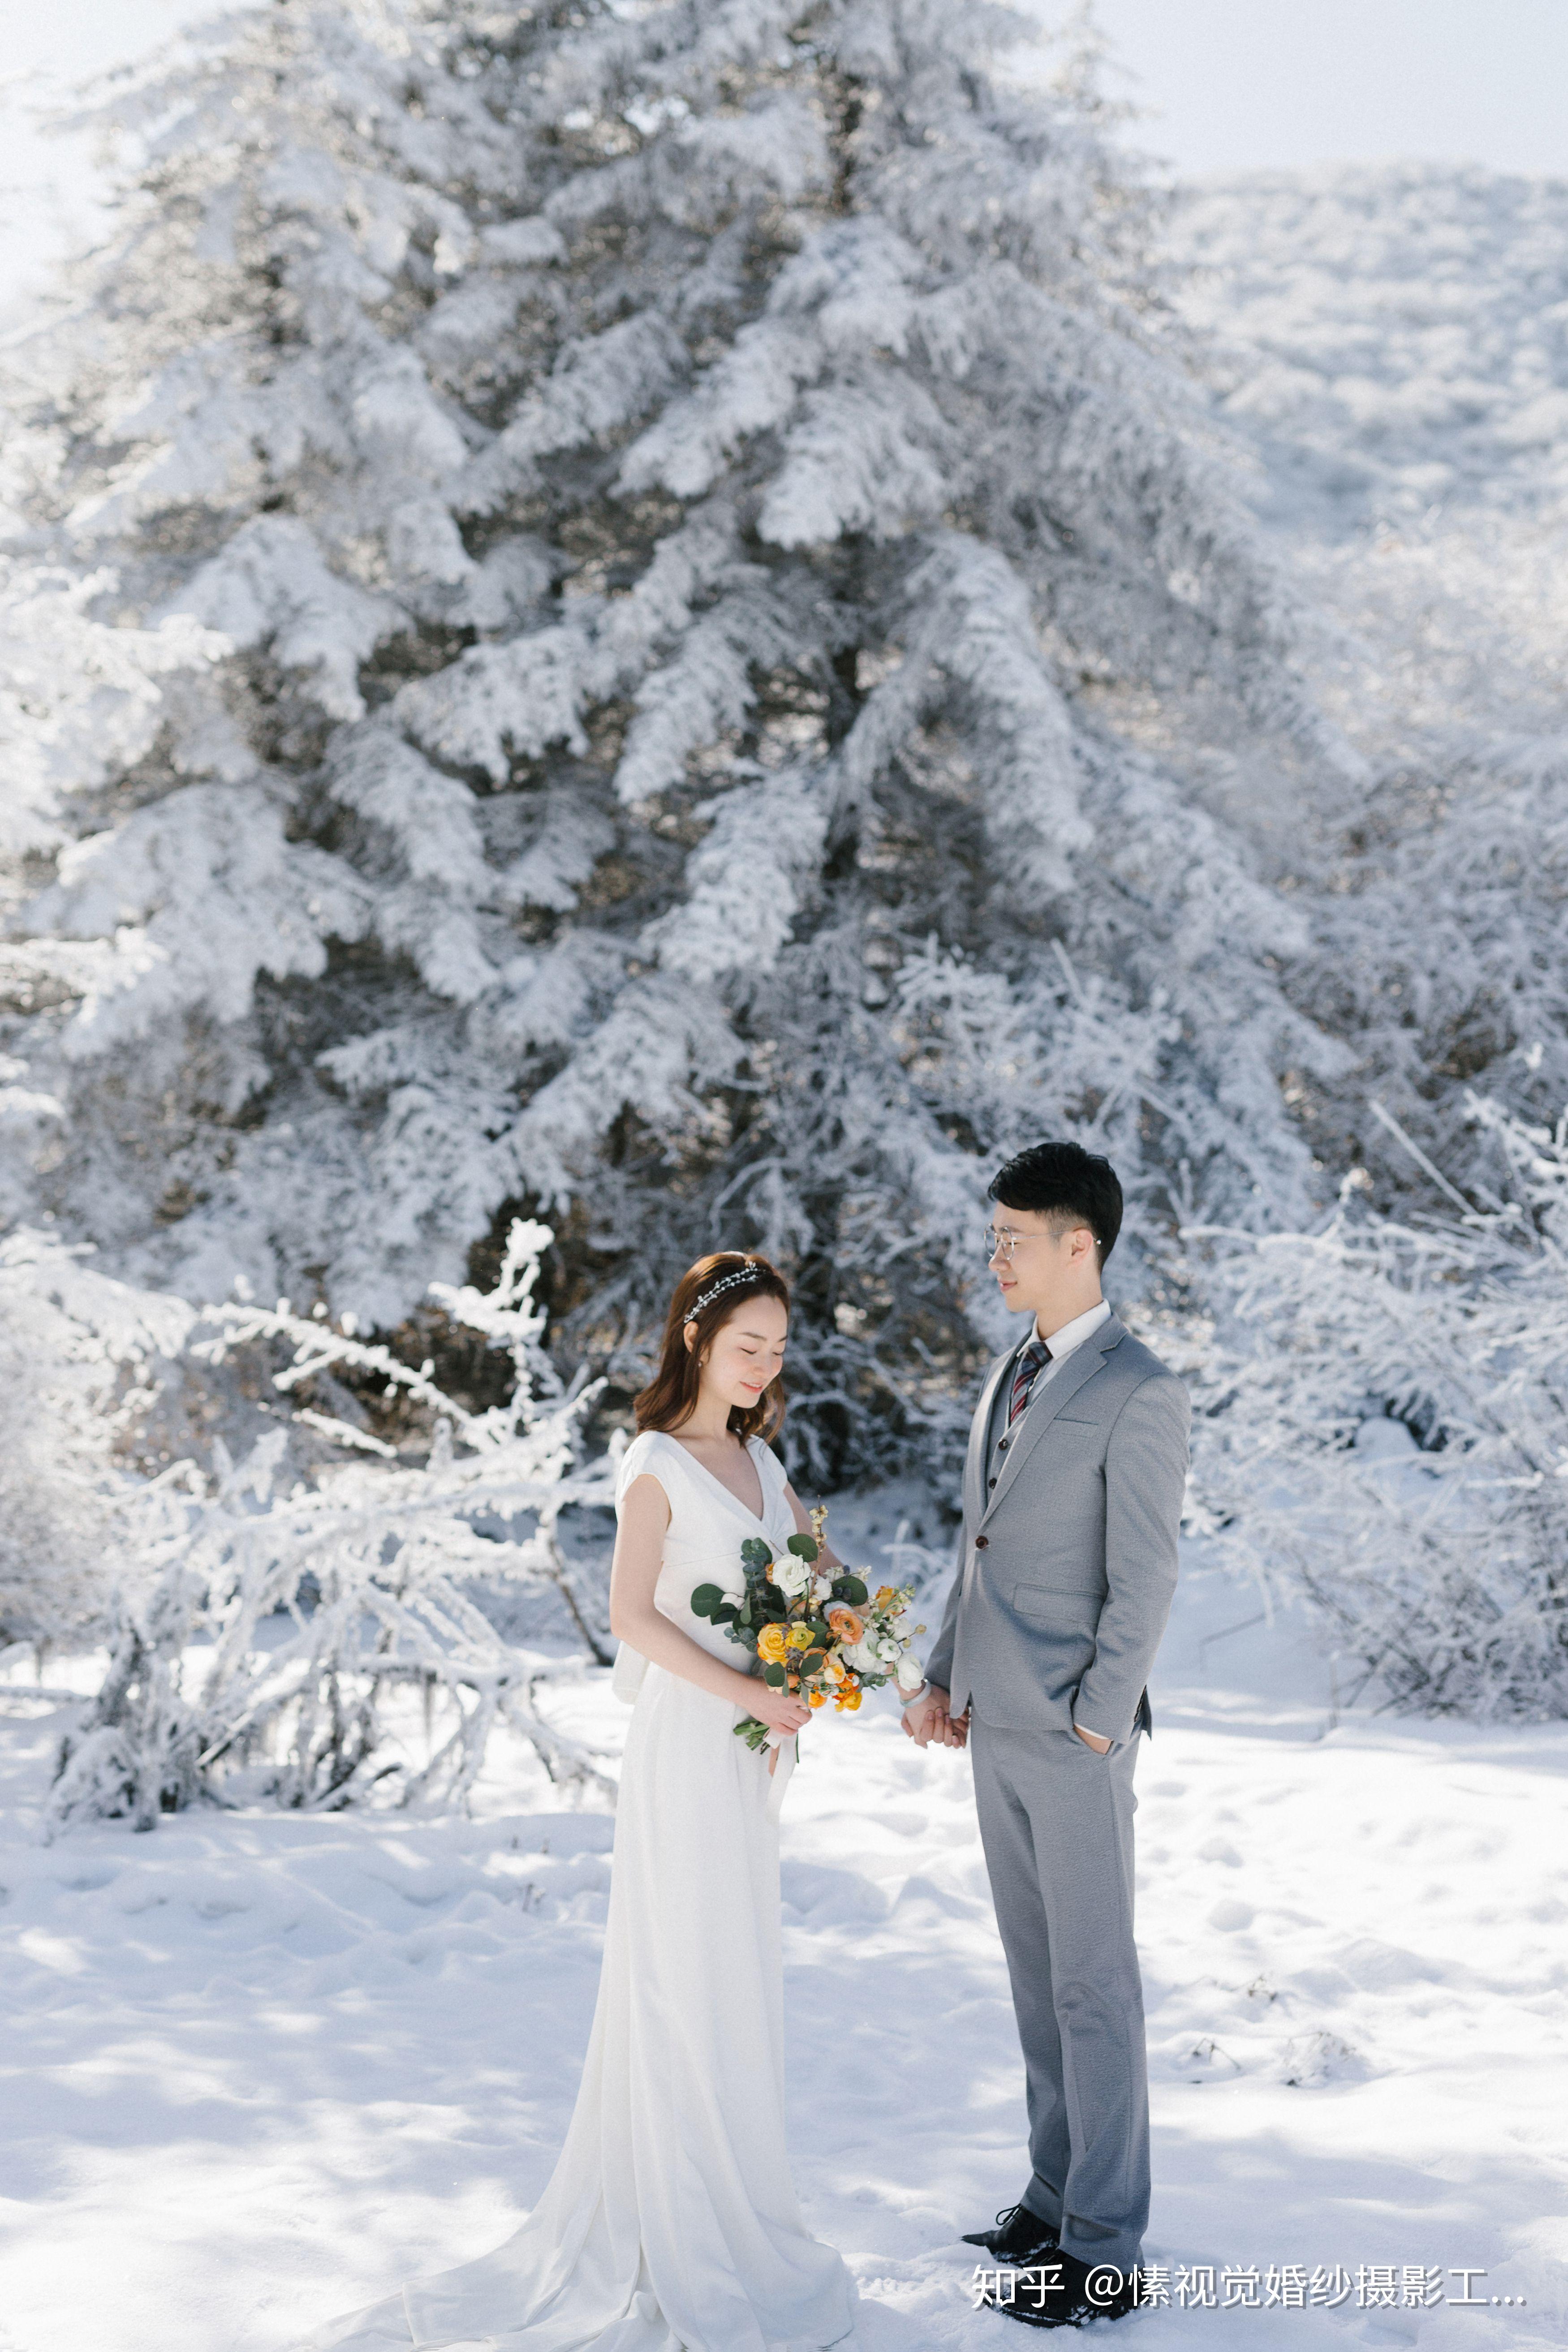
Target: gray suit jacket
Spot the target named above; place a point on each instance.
(1067, 1568)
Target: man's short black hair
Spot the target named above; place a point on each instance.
(1064, 1178)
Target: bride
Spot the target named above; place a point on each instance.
(670, 2222)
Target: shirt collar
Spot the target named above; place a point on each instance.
(1072, 1335)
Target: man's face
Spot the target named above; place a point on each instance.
(1045, 1264)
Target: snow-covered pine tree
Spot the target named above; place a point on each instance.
(731, 613)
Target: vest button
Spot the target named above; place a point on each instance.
(982, 1543)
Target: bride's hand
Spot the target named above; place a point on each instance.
(781, 1710)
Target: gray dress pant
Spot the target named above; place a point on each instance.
(1055, 1821)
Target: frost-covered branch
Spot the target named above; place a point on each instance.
(262, 1632)
(1387, 1428)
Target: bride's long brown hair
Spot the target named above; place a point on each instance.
(672, 1392)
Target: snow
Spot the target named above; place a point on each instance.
(56, 189)
(262, 2065)
(259, 2067)
(889, 548)
(1389, 344)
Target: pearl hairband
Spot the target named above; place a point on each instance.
(741, 1274)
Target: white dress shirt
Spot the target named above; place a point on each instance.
(1070, 1336)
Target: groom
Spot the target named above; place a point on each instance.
(1072, 1495)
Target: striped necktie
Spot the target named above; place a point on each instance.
(1030, 1363)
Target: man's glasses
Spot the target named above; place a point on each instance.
(1003, 1241)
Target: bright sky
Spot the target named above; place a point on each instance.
(1238, 85)
(49, 186)
(1230, 85)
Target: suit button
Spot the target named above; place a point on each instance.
(982, 1543)
(991, 1481)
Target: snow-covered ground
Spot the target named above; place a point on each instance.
(257, 2069)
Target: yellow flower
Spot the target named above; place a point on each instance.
(884, 1594)
(771, 1644)
(849, 1697)
(800, 1637)
(818, 1698)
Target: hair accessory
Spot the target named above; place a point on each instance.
(741, 1274)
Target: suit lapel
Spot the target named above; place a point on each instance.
(975, 1461)
(1048, 1401)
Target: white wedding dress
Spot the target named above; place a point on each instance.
(670, 2222)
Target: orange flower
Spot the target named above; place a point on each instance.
(818, 1698)
(771, 1644)
(884, 1594)
(844, 1622)
(849, 1697)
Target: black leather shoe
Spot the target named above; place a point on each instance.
(1019, 2234)
(1057, 2290)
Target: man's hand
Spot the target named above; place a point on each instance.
(1093, 1740)
(929, 1718)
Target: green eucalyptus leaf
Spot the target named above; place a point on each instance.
(776, 1676)
(850, 1588)
(804, 1547)
(813, 1662)
(705, 1600)
(754, 1552)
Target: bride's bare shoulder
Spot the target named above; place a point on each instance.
(647, 1461)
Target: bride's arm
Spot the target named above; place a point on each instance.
(634, 1573)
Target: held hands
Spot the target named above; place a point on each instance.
(929, 1718)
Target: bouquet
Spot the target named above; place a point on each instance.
(825, 1637)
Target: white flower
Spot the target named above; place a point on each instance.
(821, 1586)
(792, 1575)
(889, 1651)
(910, 1674)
